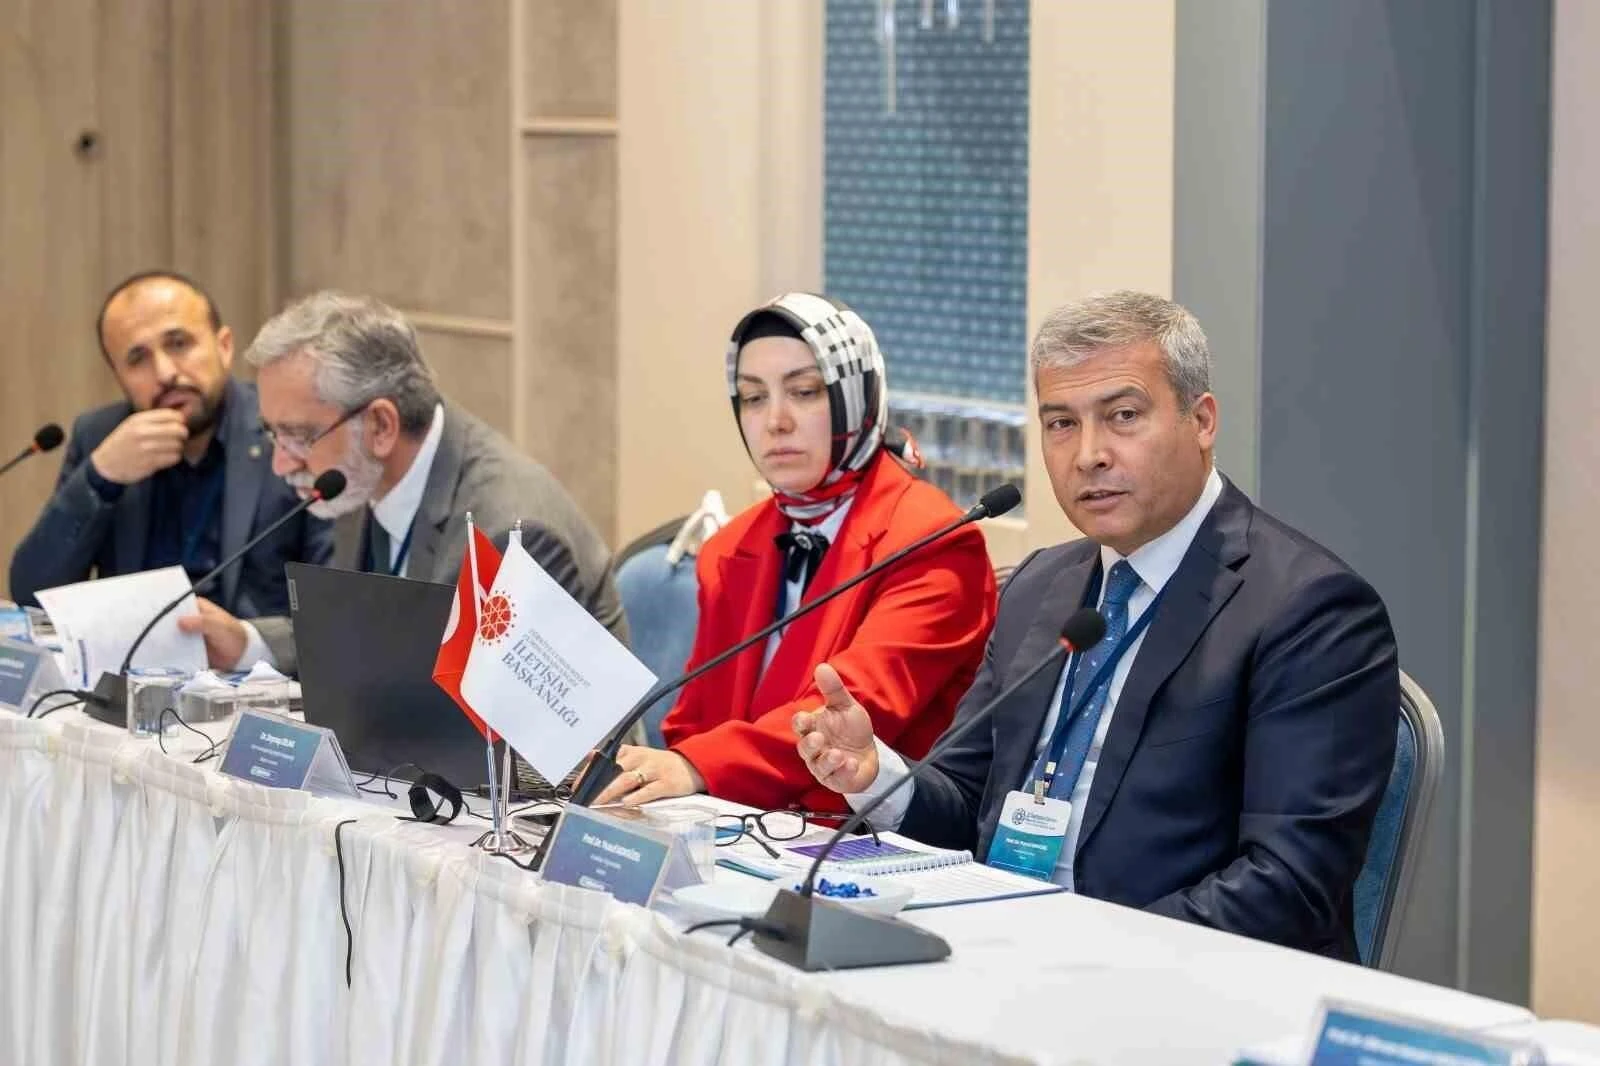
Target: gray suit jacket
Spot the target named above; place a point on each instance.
(478, 470)
(79, 534)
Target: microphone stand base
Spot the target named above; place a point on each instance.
(818, 934)
(505, 842)
(108, 701)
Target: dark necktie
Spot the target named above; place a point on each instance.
(802, 554)
(1121, 584)
(379, 551)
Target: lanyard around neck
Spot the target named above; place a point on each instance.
(1050, 758)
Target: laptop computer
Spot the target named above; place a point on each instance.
(366, 645)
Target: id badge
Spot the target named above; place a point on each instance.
(1030, 834)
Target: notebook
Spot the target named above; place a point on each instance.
(938, 877)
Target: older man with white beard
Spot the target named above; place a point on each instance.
(344, 386)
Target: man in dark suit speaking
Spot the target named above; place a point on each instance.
(1219, 757)
(179, 472)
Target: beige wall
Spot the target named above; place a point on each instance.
(1566, 931)
(1100, 165)
(719, 194)
(721, 191)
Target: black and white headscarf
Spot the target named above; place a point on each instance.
(851, 363)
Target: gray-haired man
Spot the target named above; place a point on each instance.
(1220, 756)
(343, 385)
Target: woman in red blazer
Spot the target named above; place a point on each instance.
(807, 383)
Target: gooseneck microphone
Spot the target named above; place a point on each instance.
(47, 439)
(110, 690)
(603, 768)
(816, 933)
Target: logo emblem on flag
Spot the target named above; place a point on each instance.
(496, 618)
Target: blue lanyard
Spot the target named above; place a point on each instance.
(405, 550)
(211, 502)
(1051, 756)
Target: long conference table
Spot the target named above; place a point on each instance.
(157, 912)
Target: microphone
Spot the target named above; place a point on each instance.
(48, 439)
(110, 690)
(603, 768)
(817, 933)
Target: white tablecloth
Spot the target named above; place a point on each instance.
(154, 912)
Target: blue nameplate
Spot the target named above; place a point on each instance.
(1353, 1036)
(632, 861)
(269, 749)
(18, 664)
(26, 670)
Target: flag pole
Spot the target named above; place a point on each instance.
(500, 839)
(493, 836)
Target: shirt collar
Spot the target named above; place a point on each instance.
(398, 508)
(1157, 561)
(829, 526)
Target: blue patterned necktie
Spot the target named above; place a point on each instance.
(1120, 586)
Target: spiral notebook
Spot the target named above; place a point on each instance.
(938, 877)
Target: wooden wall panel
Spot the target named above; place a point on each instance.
(569, 58)
(172, 93)
(223, 181)
(472, 371)
(133, 159)
(569, 345)
(50, 231)
(396, 129)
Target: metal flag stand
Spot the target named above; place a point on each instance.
(501, 839)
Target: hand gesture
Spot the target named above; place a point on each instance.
(836, 738)
(145, 442)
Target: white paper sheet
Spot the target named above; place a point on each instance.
(98, 620)
(543, 673)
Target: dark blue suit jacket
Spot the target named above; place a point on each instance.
(1248, 751)
(79, 534)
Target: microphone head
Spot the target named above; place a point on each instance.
(1000, 500)
(48, 438)
(328, 485)
(1084, 629)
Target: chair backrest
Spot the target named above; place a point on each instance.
(1384, 884)
(660, 600)
(661, 535)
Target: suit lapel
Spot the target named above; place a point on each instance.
(133, 527)
(1202, 585)
(1023, 715)
(809, 640)
(350, 538)
(752, 570)
(439, 504)
(246, 464)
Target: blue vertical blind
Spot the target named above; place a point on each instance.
(926, 208)
(926, 217)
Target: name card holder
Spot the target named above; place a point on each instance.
(1350, 1035)
(26, 672)
(634, 862)
(269, 749)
